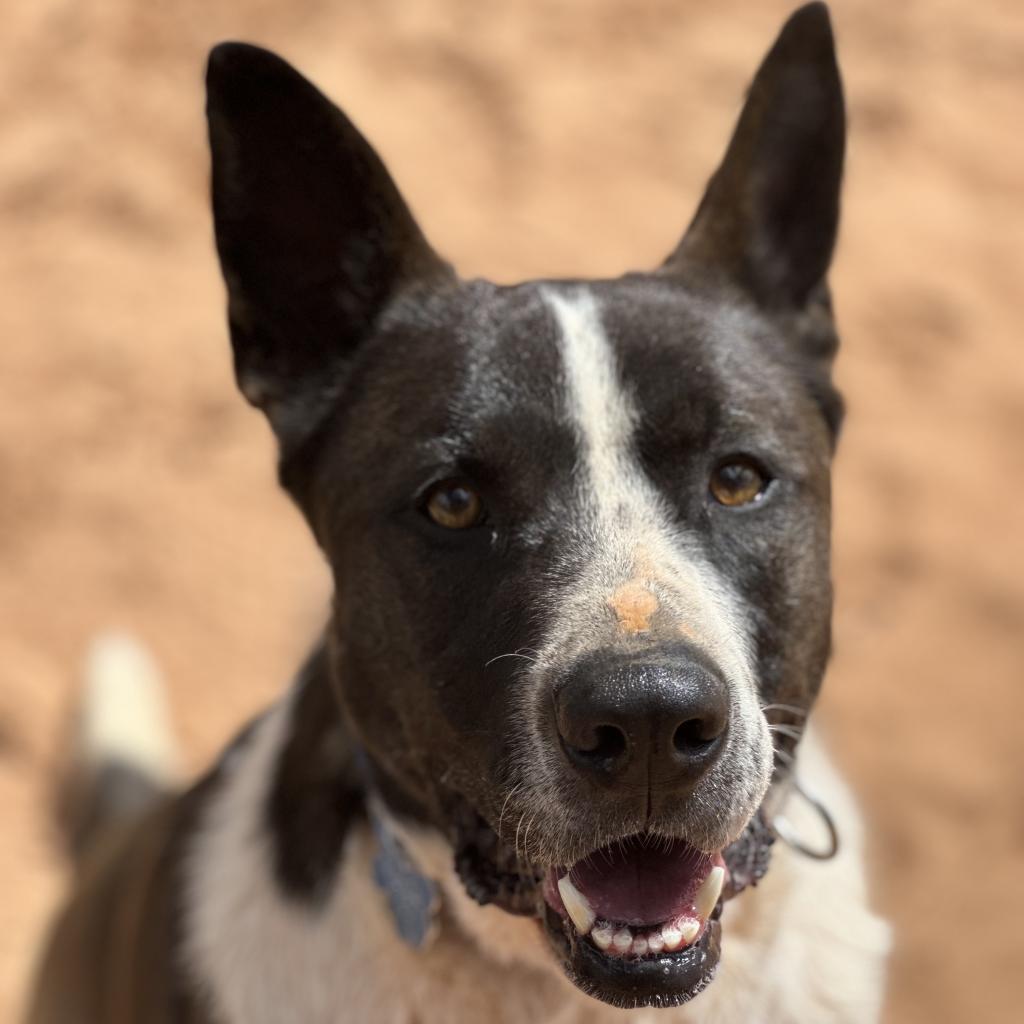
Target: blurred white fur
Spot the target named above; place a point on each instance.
(124, 713)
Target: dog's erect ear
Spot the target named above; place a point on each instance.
(313, 236)
(769, 216)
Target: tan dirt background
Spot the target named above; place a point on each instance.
(567, 137)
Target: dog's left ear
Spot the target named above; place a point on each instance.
(768, 219)
(313, 236)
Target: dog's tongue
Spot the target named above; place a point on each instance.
(642, 883)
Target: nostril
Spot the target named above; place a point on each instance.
(604, 746)
(610, 743)
(695, 735)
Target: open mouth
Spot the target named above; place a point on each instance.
(636, 922)
(640, 897)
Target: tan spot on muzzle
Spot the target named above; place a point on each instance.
(634, 604)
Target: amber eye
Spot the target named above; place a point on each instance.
(453, 505)
(738, 481)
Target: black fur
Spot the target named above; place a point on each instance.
(316, 792)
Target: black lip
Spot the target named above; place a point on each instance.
(662, 981)
(749, 857)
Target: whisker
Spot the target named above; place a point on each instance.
(512, 654)
(526, 834)
(786, 730)
(784, 755)
(515, 847)
(511, 793)
(791, 708)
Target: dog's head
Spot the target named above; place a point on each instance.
(579, 530)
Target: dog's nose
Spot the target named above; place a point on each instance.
(658, 721)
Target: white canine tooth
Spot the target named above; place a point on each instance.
(655, 942)
(709, 892)
(602, 936)
(622, 940)
(576, 906)
(639, 946)
(689, 928)
(672, 936)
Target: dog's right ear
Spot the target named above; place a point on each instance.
(313, 236)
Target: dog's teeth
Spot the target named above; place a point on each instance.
(576, 906)
(688, 928)
(655, 942)
(603, 935)
(639, 947)
(672, 936)
(709, 892)
(622, 940)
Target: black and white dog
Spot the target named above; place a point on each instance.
(579, 533)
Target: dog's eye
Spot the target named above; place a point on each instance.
(454, 505)
(738, 481)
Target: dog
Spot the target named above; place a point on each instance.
(537, 767)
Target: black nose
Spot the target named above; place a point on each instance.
(659, 720)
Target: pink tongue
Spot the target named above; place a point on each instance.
(642, 885)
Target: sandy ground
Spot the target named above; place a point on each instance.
(556, 138)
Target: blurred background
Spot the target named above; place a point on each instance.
(534, 138)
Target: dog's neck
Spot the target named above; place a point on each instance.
(323, 784)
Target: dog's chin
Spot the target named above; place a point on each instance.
(637, 922)
(661, 980)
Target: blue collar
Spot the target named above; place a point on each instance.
(414, 900)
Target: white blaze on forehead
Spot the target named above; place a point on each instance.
(601, 409)
(633, 545)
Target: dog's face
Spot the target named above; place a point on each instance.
(579, 530)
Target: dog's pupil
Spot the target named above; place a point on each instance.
(737, 483)
(454, 506)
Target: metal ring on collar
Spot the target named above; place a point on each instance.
(782, 828)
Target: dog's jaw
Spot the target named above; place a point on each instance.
(521, 922)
